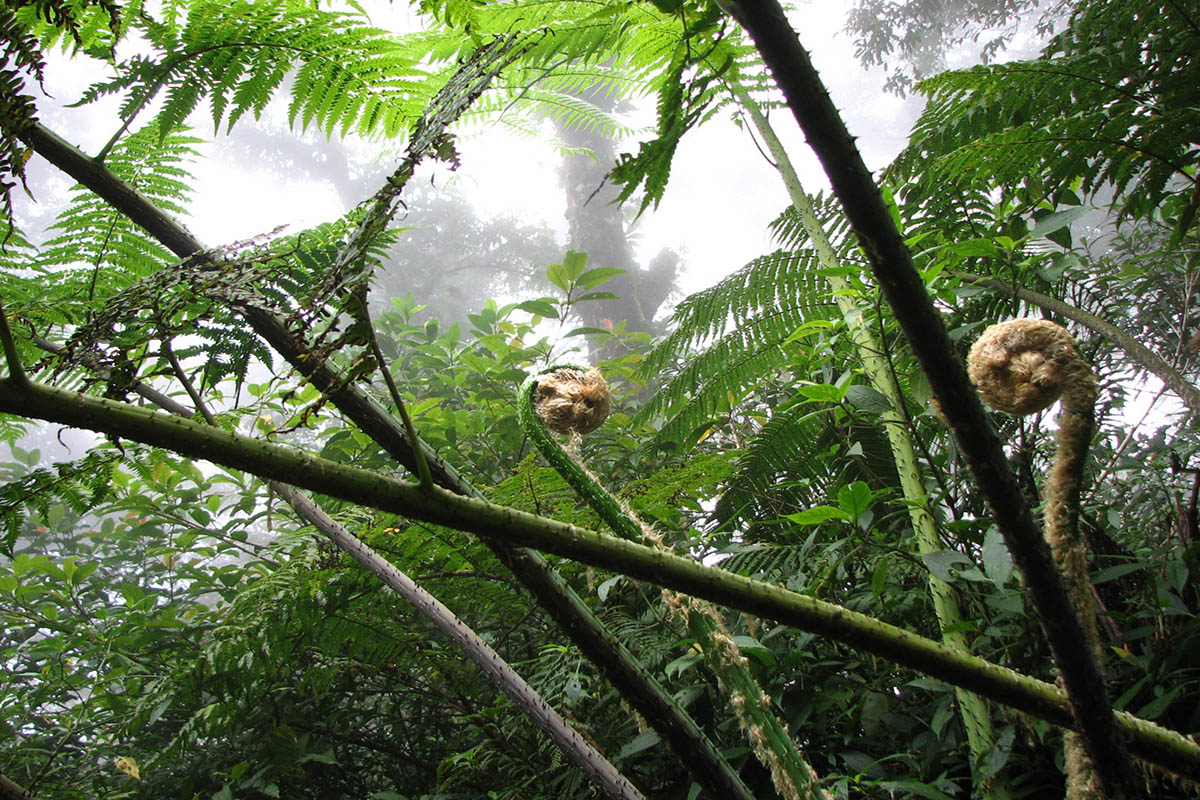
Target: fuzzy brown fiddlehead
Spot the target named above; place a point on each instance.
(573, 400)
(1021, 367)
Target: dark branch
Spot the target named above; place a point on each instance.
(892, 264)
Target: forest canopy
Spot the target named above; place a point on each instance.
(417, 503)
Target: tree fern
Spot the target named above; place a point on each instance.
(92, 26)
(798, 460)
(741, 325)
(97, 251)
(763, 561)
(191, 299)
(26, 27)
(1111, 100)
(20, 58)
(81, 485)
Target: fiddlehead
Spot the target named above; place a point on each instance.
(1022, 366)
(574, 400)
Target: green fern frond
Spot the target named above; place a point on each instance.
(768, 562)
(770, 283)
(80, 485)
(789, 232)
(347, 74)
(541, 490)
(20, 58)
(651, 636)
(537, 104)
(798, 459)
(663, 497)
(741, 325)
(96, 250)
(93, 26)
(780, 470)
(712, 382)
(606, 48)
(1111, 101)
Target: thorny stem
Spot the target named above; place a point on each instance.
(188, 386)
(577, 750)
(791, 774)
(1158, 745)
(16, 371)
(424, 476)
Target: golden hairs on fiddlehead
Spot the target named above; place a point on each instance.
(572, 400)
(1020, 367)
(1024, 365)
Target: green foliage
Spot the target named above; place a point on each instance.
(21, 60)
(690, 92)
(78, 485)
(97, 251)
(178, 616)
(346, 75)
(745, 321)
(1110, 101)
(17, 110)
(912, 39)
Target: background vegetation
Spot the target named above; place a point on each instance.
(171, 627)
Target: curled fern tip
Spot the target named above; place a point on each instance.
(571, 399)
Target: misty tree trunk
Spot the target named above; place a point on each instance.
(597, 227)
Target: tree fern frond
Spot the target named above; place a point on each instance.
(680, 58)
(789, 465)
(89, 25)
(789, 232)
(719, 377)
(1108, 102)
(538, 104)
(768, 562)
(80, 485)
(769, 284)
(348, 75)
(20, 57)
(97, 251)
(542, 490)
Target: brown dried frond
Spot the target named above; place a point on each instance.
(1024, 365)
(572, 400)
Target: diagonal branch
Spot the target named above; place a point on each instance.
(551, 591)
(577, 750)
(892, 264)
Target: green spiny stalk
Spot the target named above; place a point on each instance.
(791, 773)
(974, 710)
